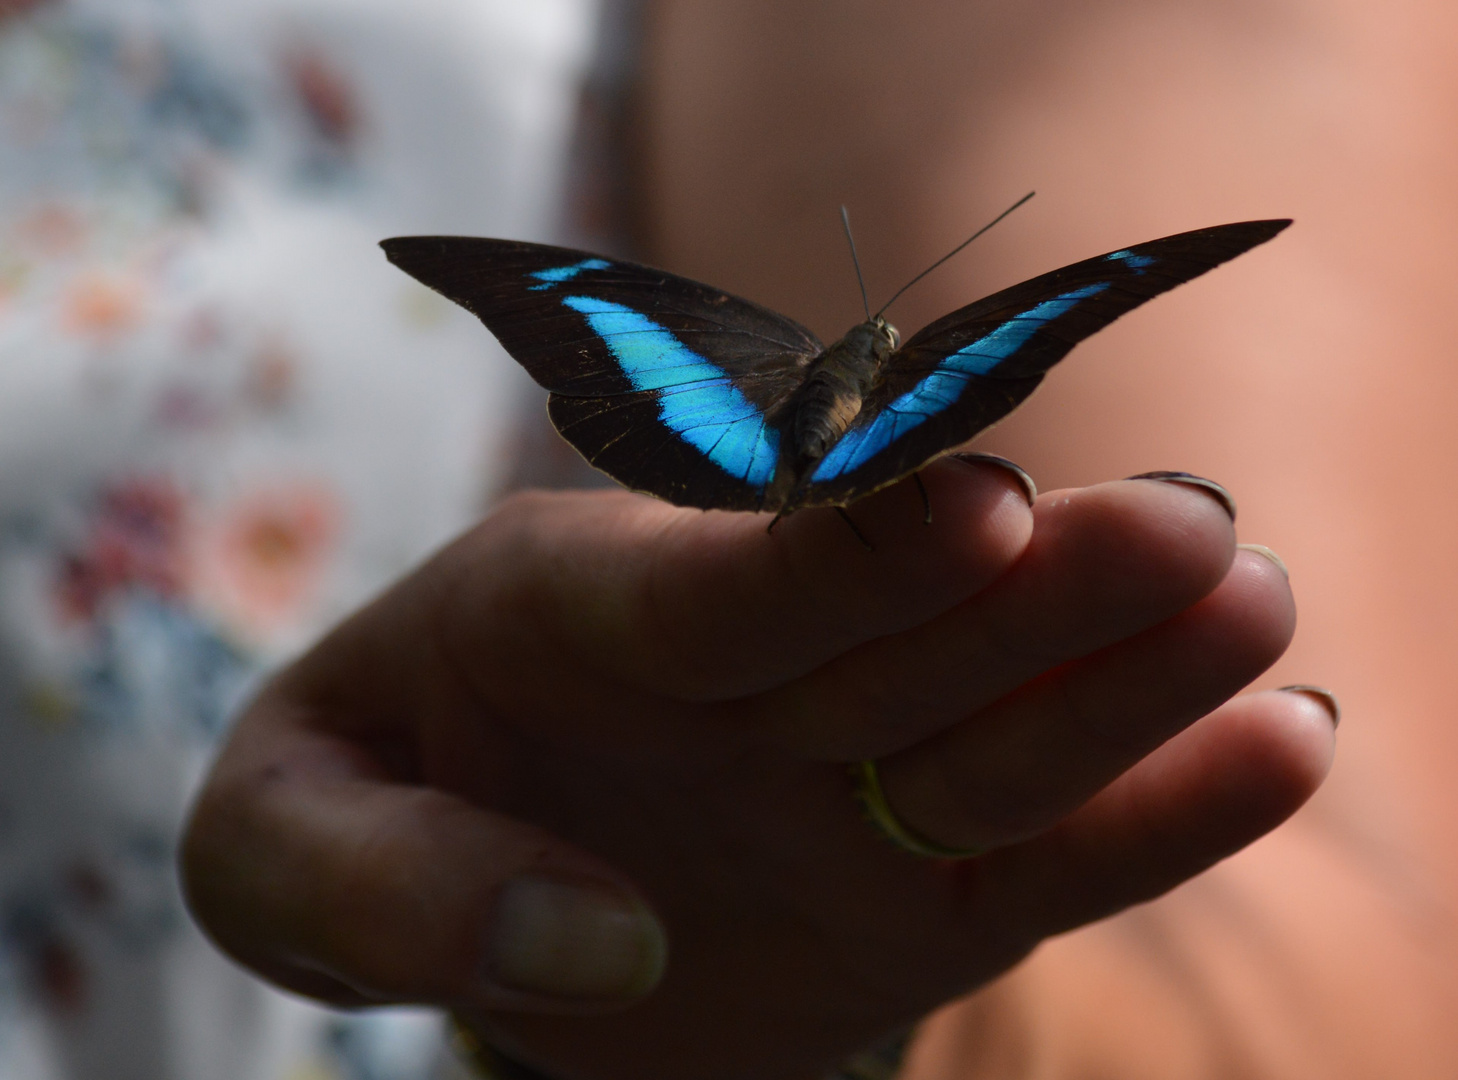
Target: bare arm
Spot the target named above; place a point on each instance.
(1313, 379)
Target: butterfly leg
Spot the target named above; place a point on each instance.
(925, 498)
(859, 535)
(775, 522)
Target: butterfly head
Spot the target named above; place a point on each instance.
(887, 333)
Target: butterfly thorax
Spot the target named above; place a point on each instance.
(830, 399)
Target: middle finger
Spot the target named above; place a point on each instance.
(1013, 769)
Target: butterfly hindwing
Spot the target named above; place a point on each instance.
(972, 367)
(631, 443)
(662, 382)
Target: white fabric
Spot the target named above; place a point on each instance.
(225, 420)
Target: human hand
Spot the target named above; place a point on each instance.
(592, 702)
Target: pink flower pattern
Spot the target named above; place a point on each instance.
(222, 424)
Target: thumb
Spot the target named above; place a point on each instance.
(306, 863)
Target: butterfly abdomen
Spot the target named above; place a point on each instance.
(829, 403)
(831, 398)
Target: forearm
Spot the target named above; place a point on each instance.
(1330, 973)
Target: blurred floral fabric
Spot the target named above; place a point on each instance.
(224, 421)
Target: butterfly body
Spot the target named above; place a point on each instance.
(682, 391)
(825, 406)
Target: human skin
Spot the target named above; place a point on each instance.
(600, 688)
(1314, 377)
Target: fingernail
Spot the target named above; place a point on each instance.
(1030, 489)
(572, 940)
(1223, 497)
(1265, 553)
(1327, 699)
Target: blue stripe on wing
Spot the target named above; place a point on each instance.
(696, 400)
(1138, 263)
(558, 274)
(944, 385)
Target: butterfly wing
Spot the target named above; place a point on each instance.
(663, 383)
(969, 369)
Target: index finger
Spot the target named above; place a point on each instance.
(709, 606)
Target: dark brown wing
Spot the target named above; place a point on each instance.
(971, 368)
(662, 382)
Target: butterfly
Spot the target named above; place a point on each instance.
(675, 388)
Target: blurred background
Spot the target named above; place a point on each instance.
(225, 421)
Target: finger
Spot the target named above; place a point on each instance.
(1104, 563)
(709, 606)
(1015, 768)
(1204, 795)
(304, 861)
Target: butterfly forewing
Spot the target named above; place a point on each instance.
(662, 382)
(972, 367)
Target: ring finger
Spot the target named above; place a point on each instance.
(1014, 768)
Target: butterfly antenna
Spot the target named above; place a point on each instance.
(845, 220)
(949, 254)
